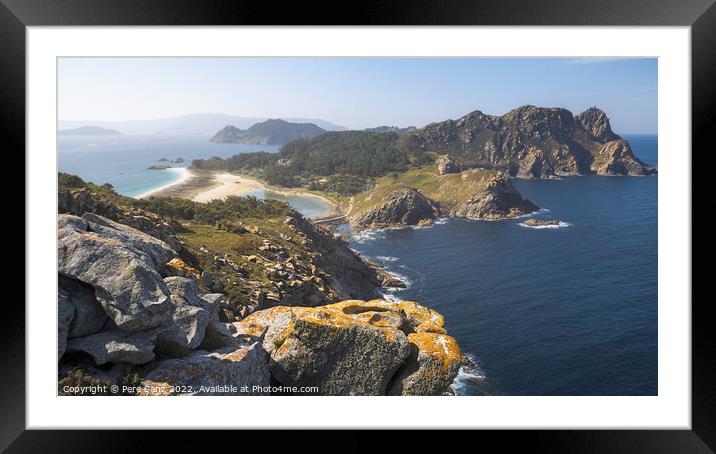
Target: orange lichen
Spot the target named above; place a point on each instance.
(441, 348)
(388, 317)
(186, 270)
(236, 355)
(155, 388)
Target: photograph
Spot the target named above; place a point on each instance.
(357, 226)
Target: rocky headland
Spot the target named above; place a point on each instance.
(169, 305)
(532, 142)
(419, 196)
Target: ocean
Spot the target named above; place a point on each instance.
(124, 161)
(552, 311)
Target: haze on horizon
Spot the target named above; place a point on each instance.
(356, 93)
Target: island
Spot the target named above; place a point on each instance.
(269, 132)
(541, 222)
(389, 177)
(89, 131)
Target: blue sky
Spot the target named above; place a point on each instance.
(356, 92)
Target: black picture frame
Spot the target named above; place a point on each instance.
(700, 15)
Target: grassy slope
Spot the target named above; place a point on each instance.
(218, 241)
(445, 189)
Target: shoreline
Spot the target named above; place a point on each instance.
(335, 208)
(205, 185)
(184, 175)
(227, 184)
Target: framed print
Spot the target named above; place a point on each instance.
(466, 217)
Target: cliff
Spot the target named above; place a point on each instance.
(269, 132)
(533, 142)
(156, 302)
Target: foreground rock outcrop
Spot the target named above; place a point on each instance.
(121, 264)
(132, 311)
(358, 347)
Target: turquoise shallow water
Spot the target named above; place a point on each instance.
(123, 161)
(565, 311)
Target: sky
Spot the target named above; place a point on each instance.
(356, 92)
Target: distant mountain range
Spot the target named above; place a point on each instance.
(205, 124)
(269, 132)
(89, 131)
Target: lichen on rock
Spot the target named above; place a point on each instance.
(353, 347)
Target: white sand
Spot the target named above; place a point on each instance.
(184, 175)
(228, 184)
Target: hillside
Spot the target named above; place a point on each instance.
(390, 129)
(269, 132)
(421, 195)
(163, 293)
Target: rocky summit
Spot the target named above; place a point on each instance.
(250, 307)
(532, 142)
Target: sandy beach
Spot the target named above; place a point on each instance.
(184, 175)
(206, 185)
(226, 184)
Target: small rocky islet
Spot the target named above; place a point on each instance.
(541, 222)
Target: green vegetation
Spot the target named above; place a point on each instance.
(174, 208)
(349, 159)
(453, 188)
(239, 162)
(345, 185)
(231, 208)
(78, 382)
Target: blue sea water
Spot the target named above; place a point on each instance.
(565, 311)
(560, 311)
(123, 161)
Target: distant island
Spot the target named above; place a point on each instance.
(89, 131)
(269, 132)
(458, 168)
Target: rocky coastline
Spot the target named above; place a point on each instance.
(144, 305)
(476, 194)
(532, 142)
